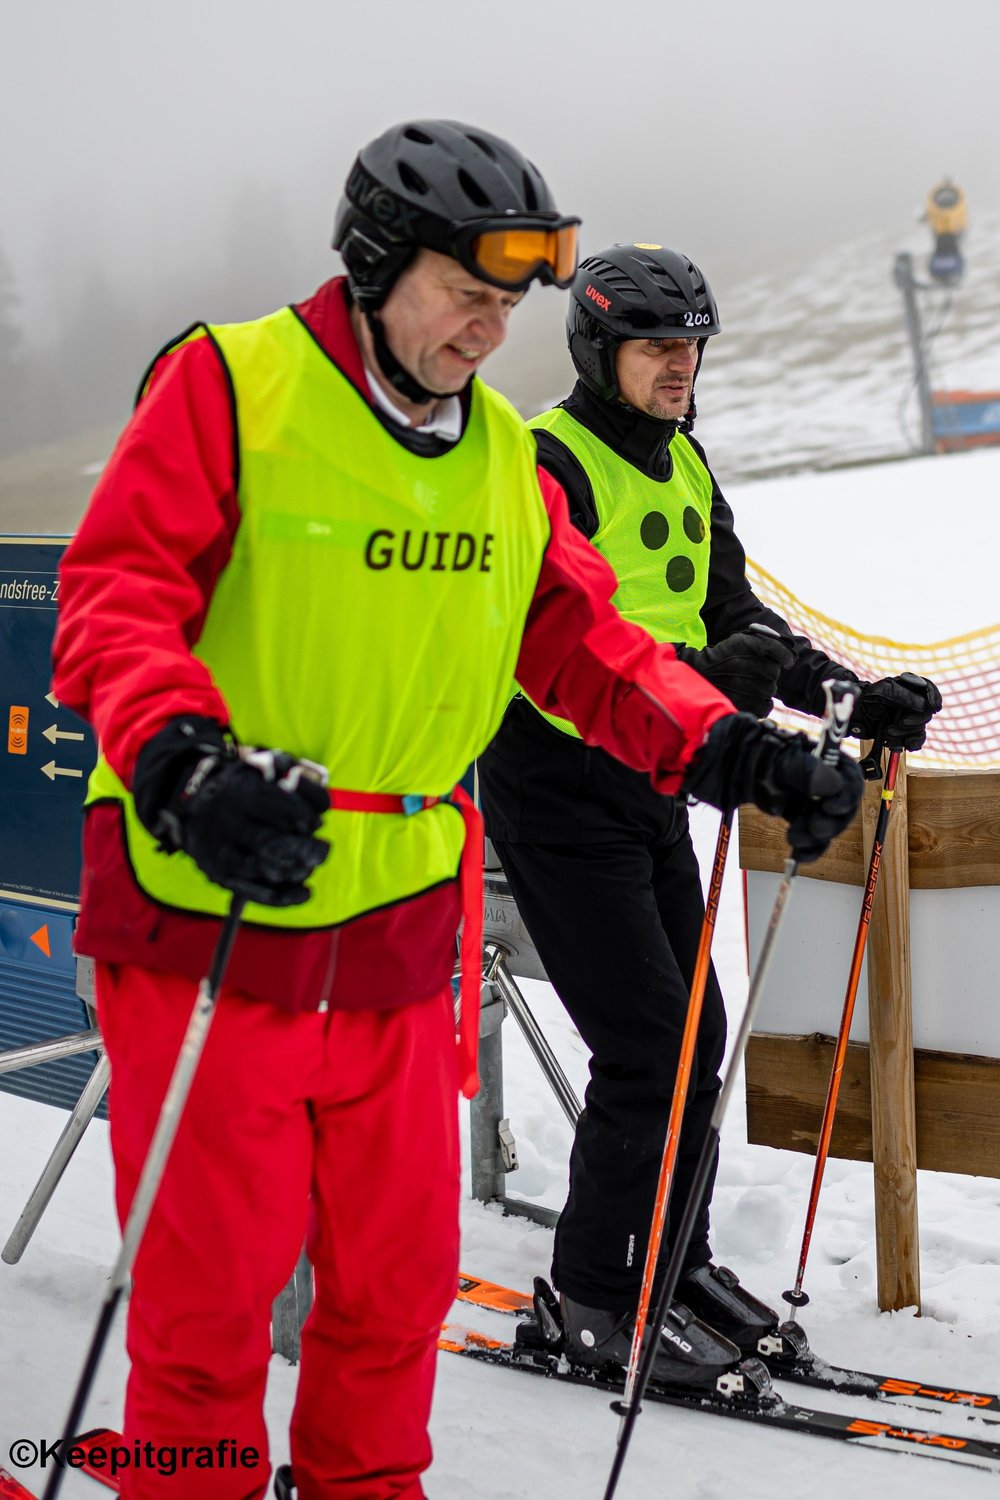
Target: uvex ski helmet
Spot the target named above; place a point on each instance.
(634, 292)
(458, 190)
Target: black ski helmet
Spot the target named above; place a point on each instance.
(449, 187)
(634, 292)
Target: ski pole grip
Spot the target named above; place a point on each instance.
(871, 764)
(836, 721)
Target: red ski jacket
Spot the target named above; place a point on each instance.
(136, 583)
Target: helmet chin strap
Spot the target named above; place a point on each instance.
(398, 377)
(692, 411)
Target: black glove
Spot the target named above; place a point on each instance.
(248, 824)
(897, 710)
(745, 666)
(744, 760)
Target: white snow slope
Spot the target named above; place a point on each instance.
(499, 1435)
(813, 367)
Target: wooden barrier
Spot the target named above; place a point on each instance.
(956, 1098)
(890, 1031)
(954, 835)
(900, 1110)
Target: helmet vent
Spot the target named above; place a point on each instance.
(411, 179)
(472, 189)
(658, 274)
(530, 197)
(484, 146)
(412, 133)
(620, 281)
(613, 275)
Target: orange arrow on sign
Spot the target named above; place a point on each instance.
(41, 940)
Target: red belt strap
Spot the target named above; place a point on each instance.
(380, 802)
(471, 876)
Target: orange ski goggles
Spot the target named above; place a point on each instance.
(519, 249)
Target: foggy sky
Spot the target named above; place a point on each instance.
(738, 132)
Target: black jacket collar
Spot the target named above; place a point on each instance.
(643, 441)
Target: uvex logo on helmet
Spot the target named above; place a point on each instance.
(596, 296)
(381, 205)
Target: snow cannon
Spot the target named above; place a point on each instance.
(947, 215)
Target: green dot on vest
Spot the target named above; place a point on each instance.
(680, 574)
(654, 530)
(694, 526)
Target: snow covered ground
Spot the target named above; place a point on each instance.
(813, 367)
(567, 1442)
(499, 1435)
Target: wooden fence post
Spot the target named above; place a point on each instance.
(890, 1022)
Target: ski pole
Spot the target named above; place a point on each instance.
(796, 1297)
(149, 1180)
(668, 1161)
(839, 703)
(696, 996)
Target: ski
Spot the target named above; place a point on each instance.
(13, 1489)
(489, 1294)
(99, 1437)
(745, 1393)
(787, 1356)
(103, 1438)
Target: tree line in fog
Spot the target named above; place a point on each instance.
(81, 369)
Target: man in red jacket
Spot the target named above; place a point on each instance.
(320, 532)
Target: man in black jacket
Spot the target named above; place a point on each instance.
(602, 870)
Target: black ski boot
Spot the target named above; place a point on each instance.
(284, 1484)
(714, 1294)
(689, 1354)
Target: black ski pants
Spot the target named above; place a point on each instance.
(615, 912)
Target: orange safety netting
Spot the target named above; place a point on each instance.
(966, 733)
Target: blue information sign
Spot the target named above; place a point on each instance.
(46, 752)
(974, 416)
(46, 756)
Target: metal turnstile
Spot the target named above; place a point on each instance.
(508, 954)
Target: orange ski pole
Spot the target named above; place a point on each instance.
(796, 1297)
(665, 1183)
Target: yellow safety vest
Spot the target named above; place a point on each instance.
(655, 534)
(369, 618)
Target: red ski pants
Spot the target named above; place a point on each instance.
(338, 1128)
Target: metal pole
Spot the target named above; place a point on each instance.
(289, 1311)
(486, 1109)
(903, 275)
(83, 1112)
(153, 1167)
(533, 1035)
(36, 1053)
